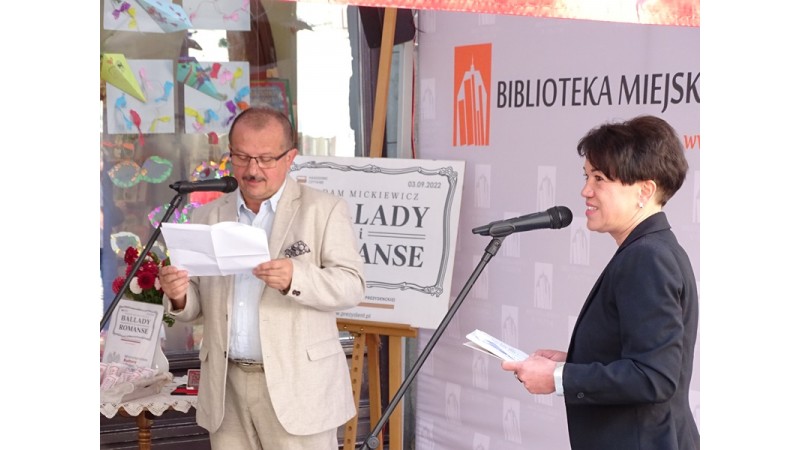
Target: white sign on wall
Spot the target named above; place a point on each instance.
(405, 214)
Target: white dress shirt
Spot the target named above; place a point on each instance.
(558, 378)
(245, 340)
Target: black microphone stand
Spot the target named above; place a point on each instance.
(177, 200)
(491, 250)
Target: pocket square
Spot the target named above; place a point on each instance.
(296, 249)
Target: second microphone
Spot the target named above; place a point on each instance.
(554, 218)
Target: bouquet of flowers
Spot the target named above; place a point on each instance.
(144, 286)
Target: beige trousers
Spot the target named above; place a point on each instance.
(250, 423)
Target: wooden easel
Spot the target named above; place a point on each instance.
(382, 86)
(367, 334)
(367, 338)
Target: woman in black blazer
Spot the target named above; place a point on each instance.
(625, 377)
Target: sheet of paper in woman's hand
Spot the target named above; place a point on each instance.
(224, 248)
(487, 343)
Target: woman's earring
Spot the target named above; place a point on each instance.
(641, 205)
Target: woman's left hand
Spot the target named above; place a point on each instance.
(535, 373)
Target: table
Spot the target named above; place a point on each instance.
(144, 408)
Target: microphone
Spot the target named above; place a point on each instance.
(224, 184)
(555, 218)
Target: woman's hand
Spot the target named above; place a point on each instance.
(535, 372)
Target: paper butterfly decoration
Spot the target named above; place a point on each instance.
(124, 7)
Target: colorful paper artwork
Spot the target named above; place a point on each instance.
(219, 14)
(127, 173)
(153, 16)
(210, 170)
(169, 16)
(114, 69)
(194, 75)
(206, 170)
(155, 115)
(121, 15)
(214, 93)
(180, 215)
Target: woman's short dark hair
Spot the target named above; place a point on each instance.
(259, 117)
(643, 148)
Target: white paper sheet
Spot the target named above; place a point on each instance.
(488, 344)
(224, 248)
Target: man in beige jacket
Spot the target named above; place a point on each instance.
(273, 373)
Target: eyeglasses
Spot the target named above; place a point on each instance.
(263, 162)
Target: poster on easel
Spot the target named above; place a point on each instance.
(133, 333)
(405, 214)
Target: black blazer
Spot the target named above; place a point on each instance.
(626, 379)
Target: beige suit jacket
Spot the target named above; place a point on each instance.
(305, 367)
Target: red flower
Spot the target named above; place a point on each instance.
(148, 267)
(146, 280)
(117, 284)
(131, 255)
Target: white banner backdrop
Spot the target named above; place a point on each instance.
(405, 213)
(512, 96)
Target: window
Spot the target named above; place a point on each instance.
(162, 122)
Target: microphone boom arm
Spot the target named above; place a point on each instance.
(492, 248)
(173, 205)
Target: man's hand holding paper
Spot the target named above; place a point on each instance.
(276, 273)
(224, 248)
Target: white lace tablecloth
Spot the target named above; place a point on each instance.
(156, 404)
